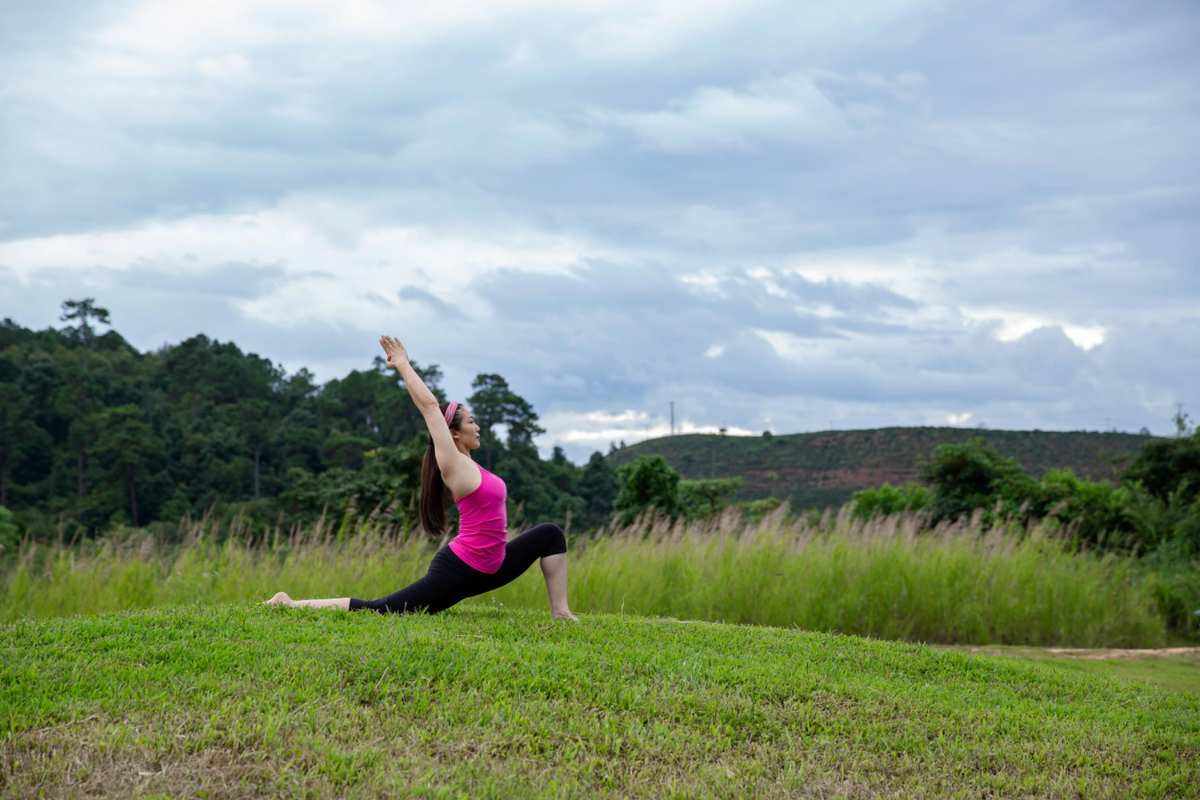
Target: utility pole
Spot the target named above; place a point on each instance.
(672, 417)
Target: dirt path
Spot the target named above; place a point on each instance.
(1082, 652)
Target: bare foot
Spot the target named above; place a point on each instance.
(564, 614)
(280, 599)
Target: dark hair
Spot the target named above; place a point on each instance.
(434, 497)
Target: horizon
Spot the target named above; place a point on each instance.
(545, 451)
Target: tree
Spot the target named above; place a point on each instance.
(130, 450)
(372, 403)
(970, 475)
(298, 439)
(646, 482)
(83, 311)
(1165, 466)
(494, 403)
(259, 418)
(83, 433)
(101, 433)
(346, 450)
(22, 443)
(389, 481)
(1180, 420)
(704, 498)
(561, 472)
(598, 488)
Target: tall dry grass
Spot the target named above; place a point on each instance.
(892, 578)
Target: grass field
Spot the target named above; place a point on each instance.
(245, 700)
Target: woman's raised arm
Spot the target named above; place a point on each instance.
(454, 466)
(397, 359)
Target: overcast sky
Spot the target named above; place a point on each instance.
(781, 216)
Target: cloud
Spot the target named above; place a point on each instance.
(911, 213)
(437, 304)
(787, 110)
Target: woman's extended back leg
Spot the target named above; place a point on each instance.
(441, 588)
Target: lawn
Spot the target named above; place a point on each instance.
(238, 699)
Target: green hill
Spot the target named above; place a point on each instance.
(235, 700)
(827, 467)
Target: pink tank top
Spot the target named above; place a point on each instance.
(483, 524)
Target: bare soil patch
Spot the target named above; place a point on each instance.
(1091, 653)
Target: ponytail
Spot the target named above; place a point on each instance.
(434, 496)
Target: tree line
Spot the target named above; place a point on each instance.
(94, 433)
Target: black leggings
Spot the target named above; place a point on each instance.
(451, 579)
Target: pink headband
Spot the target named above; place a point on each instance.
(450, 409)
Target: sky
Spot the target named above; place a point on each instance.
(778, 217)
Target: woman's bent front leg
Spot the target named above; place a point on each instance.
(554, 569)
(547, 542)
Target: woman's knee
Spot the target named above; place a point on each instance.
(554, 541)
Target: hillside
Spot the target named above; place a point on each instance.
(827, 467)
(231, 700)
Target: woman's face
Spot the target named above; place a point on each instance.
(468, 429)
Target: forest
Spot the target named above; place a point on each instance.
(94, 433)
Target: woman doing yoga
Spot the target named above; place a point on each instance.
(479, 559)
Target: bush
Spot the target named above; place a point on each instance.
(1096, 514)
(383, 482)
(1176, 592)
(972, 475)
(646, 482)
(755, 510)
(649, 482)
(887, 499)
(700, 499)
(1171, 528)
(1169, 465)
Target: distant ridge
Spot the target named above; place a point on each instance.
(827, 467)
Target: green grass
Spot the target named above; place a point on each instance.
(1176, 672)
(247, 700)
(886, 579)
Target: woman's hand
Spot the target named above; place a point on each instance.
(396, 354)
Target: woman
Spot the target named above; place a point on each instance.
(479, 558)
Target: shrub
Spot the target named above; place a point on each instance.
(1096, 514)
(755, 510)
(972, 475)
(646, 482)
(1168, 465)
(1176, 592)
(888, 499)
(700, 499)
(1170, 528)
